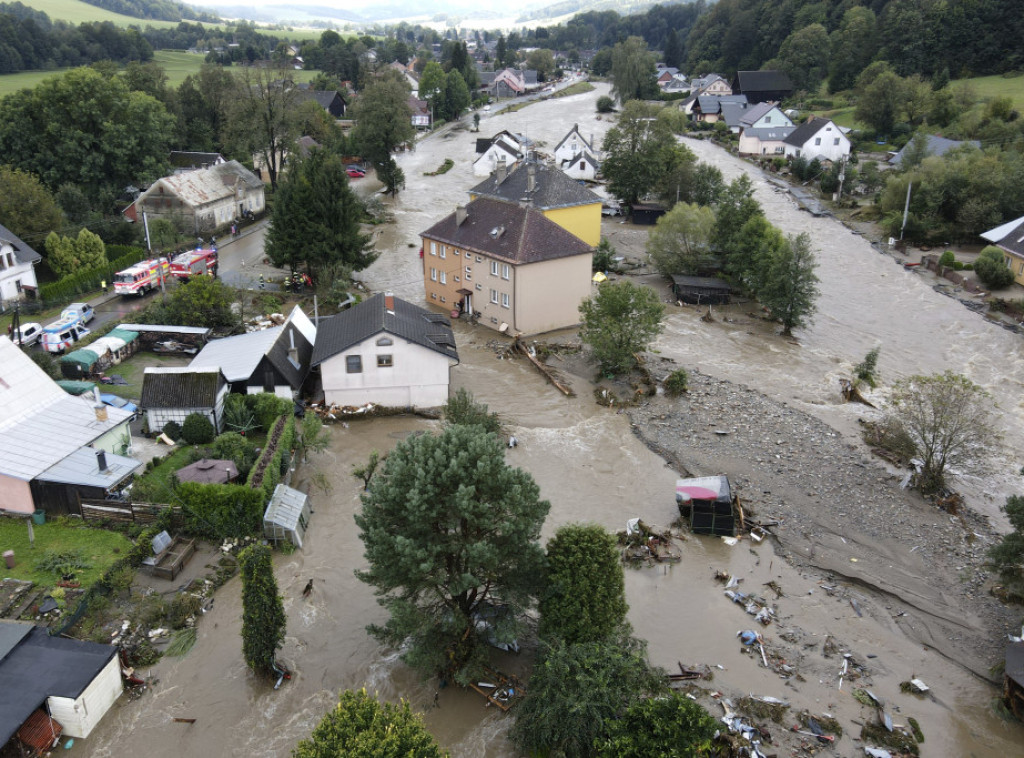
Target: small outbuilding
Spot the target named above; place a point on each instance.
(208, 471)
(707, 502)
(1013, 679)
(287, 516)
(646, 214)
(700, 290)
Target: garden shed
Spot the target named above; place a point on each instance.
(701, 290)
(107, 351)
(287, 516)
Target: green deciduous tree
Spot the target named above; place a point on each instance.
(680, 243)
(263, 620)
(66, 255)
(618, 322)
(854, 43)
(361, 726)
(456, 95)
(451, 532)
(991, 268)
(315, 221)
(640, 150)
(87, 129)
(633, 73)
(736, 206)
(576, 693)
(585, 598)
(201, 301)
(462, 409)
(881, 105)
(383, 119)
(1008, 556)
(263, 116)
(949, 419)
(670, 727)
(90, 250)
(542, 61)
(26, 207)
(790, 288)
(804, 55)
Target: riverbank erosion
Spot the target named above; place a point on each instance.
(841, 512)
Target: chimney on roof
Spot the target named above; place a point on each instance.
(501, 172)
(98, 407)
(389, 303)
(293, 352)
(101, 461)
(531, 177)
(461, 214)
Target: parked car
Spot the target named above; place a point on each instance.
(60, 335)
(611, 209)
(355, 172)
(27, 334)
(81, 311)
(118, 402)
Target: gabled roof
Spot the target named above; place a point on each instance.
(754, 112)
(193, 159)
(40, 424)
(705, 81)
(22, 252)
(769, 133)
(39, 666)
(551, 188)
(584, 156)
(181, 387)
(763, 81)
(206, 185)
(327, 99)
(715, 103)
(936, 146)
(238, 356)
(732, 112)
(371, 317)
(509, 232)
(799, 136)
(1009, 235)
(81, 468)
(575, 130)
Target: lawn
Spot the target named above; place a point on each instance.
(98, 547)
(78, 12)
(989, 87)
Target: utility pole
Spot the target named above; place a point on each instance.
(906, 210)
(145, 223)
(842, 178)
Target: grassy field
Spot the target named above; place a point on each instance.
(97, 547)
(989, 87)
(78, 12)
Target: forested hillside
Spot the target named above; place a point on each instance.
(965, 37)
(163, 10)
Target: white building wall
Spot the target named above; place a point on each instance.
(750, 145)
(829, 144)
(10, 277)
(418, 376)
(487, 163)
(79, 717)
(281, 390)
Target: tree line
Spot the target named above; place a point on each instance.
(161, 10)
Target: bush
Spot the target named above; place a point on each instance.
(676, 383)
(605, 104)
(173, 430)
(462, 409)
(268, 406)
(947, 258)
(197, 429)
(266, 473)
(181, 608)
(992, 270)
(222, 511)
(232, 446)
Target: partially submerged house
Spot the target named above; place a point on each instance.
(50, 441)
(509, 265)
(17, 269)
(546, 189)
(72, 682)
(1009, 238)
(500, 153)
(273, 360)
(576, 157)
(385, 351)
(174, 393)
(701, 290)
(206, 199)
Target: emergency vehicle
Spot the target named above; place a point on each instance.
(142, 277)
(60, 335)
(194, 263)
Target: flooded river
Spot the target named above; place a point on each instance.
(592, 468)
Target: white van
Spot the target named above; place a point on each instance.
(60, 335)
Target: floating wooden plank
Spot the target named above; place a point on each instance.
(517, 345)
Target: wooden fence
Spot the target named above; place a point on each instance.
(112, 510)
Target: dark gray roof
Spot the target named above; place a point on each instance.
(1009, 236)
(181, 388)
(763, 81)
(1015, 662)
(331, 101)
(806, 130)
(40, 666)
(714, 103)
(708, 282)
(509, 232)
(407, 321)
(192, 159)
(732, 113)
(22, 252)
(278, 355)
(936, 146)
(552, 188)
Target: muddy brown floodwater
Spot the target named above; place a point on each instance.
(592, 468)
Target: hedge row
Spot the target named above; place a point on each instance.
(276, 455)
(88, 280)
(221, 511)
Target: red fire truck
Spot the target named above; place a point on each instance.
(194, 263)
(142, 277)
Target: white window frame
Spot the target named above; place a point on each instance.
(494, 268)
(494, 296)
(433, 274)
(433, 248)
(505, 300)
(444, 277)
(506, 271)
(442, 253)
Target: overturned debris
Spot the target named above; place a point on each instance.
(531, 355)
(851, 394)
(648, 543)
(763, 708)
(502, 692)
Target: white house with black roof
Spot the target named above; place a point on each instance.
(385, 351)
(819, 138)
(272, 360)
(17, 268)
(174, 393)
(576, 157)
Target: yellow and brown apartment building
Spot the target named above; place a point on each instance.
(519, 255)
